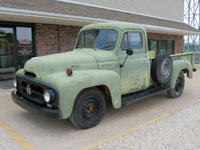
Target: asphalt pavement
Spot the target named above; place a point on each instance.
(20, 129)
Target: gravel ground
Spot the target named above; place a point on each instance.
(180, 131)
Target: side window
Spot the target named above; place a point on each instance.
(132, 40)
(125, 44)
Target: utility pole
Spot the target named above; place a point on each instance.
(199, 23)
(192, 17)
(189, 4)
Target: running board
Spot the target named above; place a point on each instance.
(132, 98)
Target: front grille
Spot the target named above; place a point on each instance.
(33, 91)
(36, 94)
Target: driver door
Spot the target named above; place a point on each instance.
(135, 74)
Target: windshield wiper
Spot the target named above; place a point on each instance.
(104, 46)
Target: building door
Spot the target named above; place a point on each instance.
(24, 45)
(7, 53)
(16, 47)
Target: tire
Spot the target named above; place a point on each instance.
(89, 108)
(179, 87)
(162, 67)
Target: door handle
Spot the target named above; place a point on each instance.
(73, 66)
(108, 65)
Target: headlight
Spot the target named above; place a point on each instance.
(15, 83)
(49, 96)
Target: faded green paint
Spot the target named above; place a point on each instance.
(21, 71)
(181, 62)
(185, 56)
(69, 87)
(59, 62)
(135, 75)
(151, 54)
(99, 67)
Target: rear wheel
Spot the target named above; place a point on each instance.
(88, 109)
(179, 87)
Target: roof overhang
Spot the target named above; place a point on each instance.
(30, 16)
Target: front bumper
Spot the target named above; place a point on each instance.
(30, 106)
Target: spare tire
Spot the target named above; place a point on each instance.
(161, 69)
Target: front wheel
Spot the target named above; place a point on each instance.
(179, 87)
(89, 108)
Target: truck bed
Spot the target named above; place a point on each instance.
(184, 56)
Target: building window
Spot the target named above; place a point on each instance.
(16, 47)
(170, 47)
(7, 65)
(161, 46)
(153, 45)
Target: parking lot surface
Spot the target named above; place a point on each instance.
(176, 132)
(20, 129)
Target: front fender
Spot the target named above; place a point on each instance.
(179, 65)
(70, 86)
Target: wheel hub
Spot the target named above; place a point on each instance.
(90, 108)
(165, 68)
(179, 84)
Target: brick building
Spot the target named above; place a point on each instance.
(31, 28)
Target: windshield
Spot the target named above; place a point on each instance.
(97, 39)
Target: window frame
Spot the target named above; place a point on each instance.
(173, 46)
(142, 39)
(14, 26)
(158, 45)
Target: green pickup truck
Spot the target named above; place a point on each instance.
(110, 62)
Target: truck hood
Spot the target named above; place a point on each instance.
(59, 62)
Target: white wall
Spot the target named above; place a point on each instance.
(170, 9)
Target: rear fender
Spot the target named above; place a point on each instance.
(70, 87)
(180, 65)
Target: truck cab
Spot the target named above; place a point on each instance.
(110, 62)
(109, 45)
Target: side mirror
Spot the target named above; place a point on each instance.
(129, 52)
